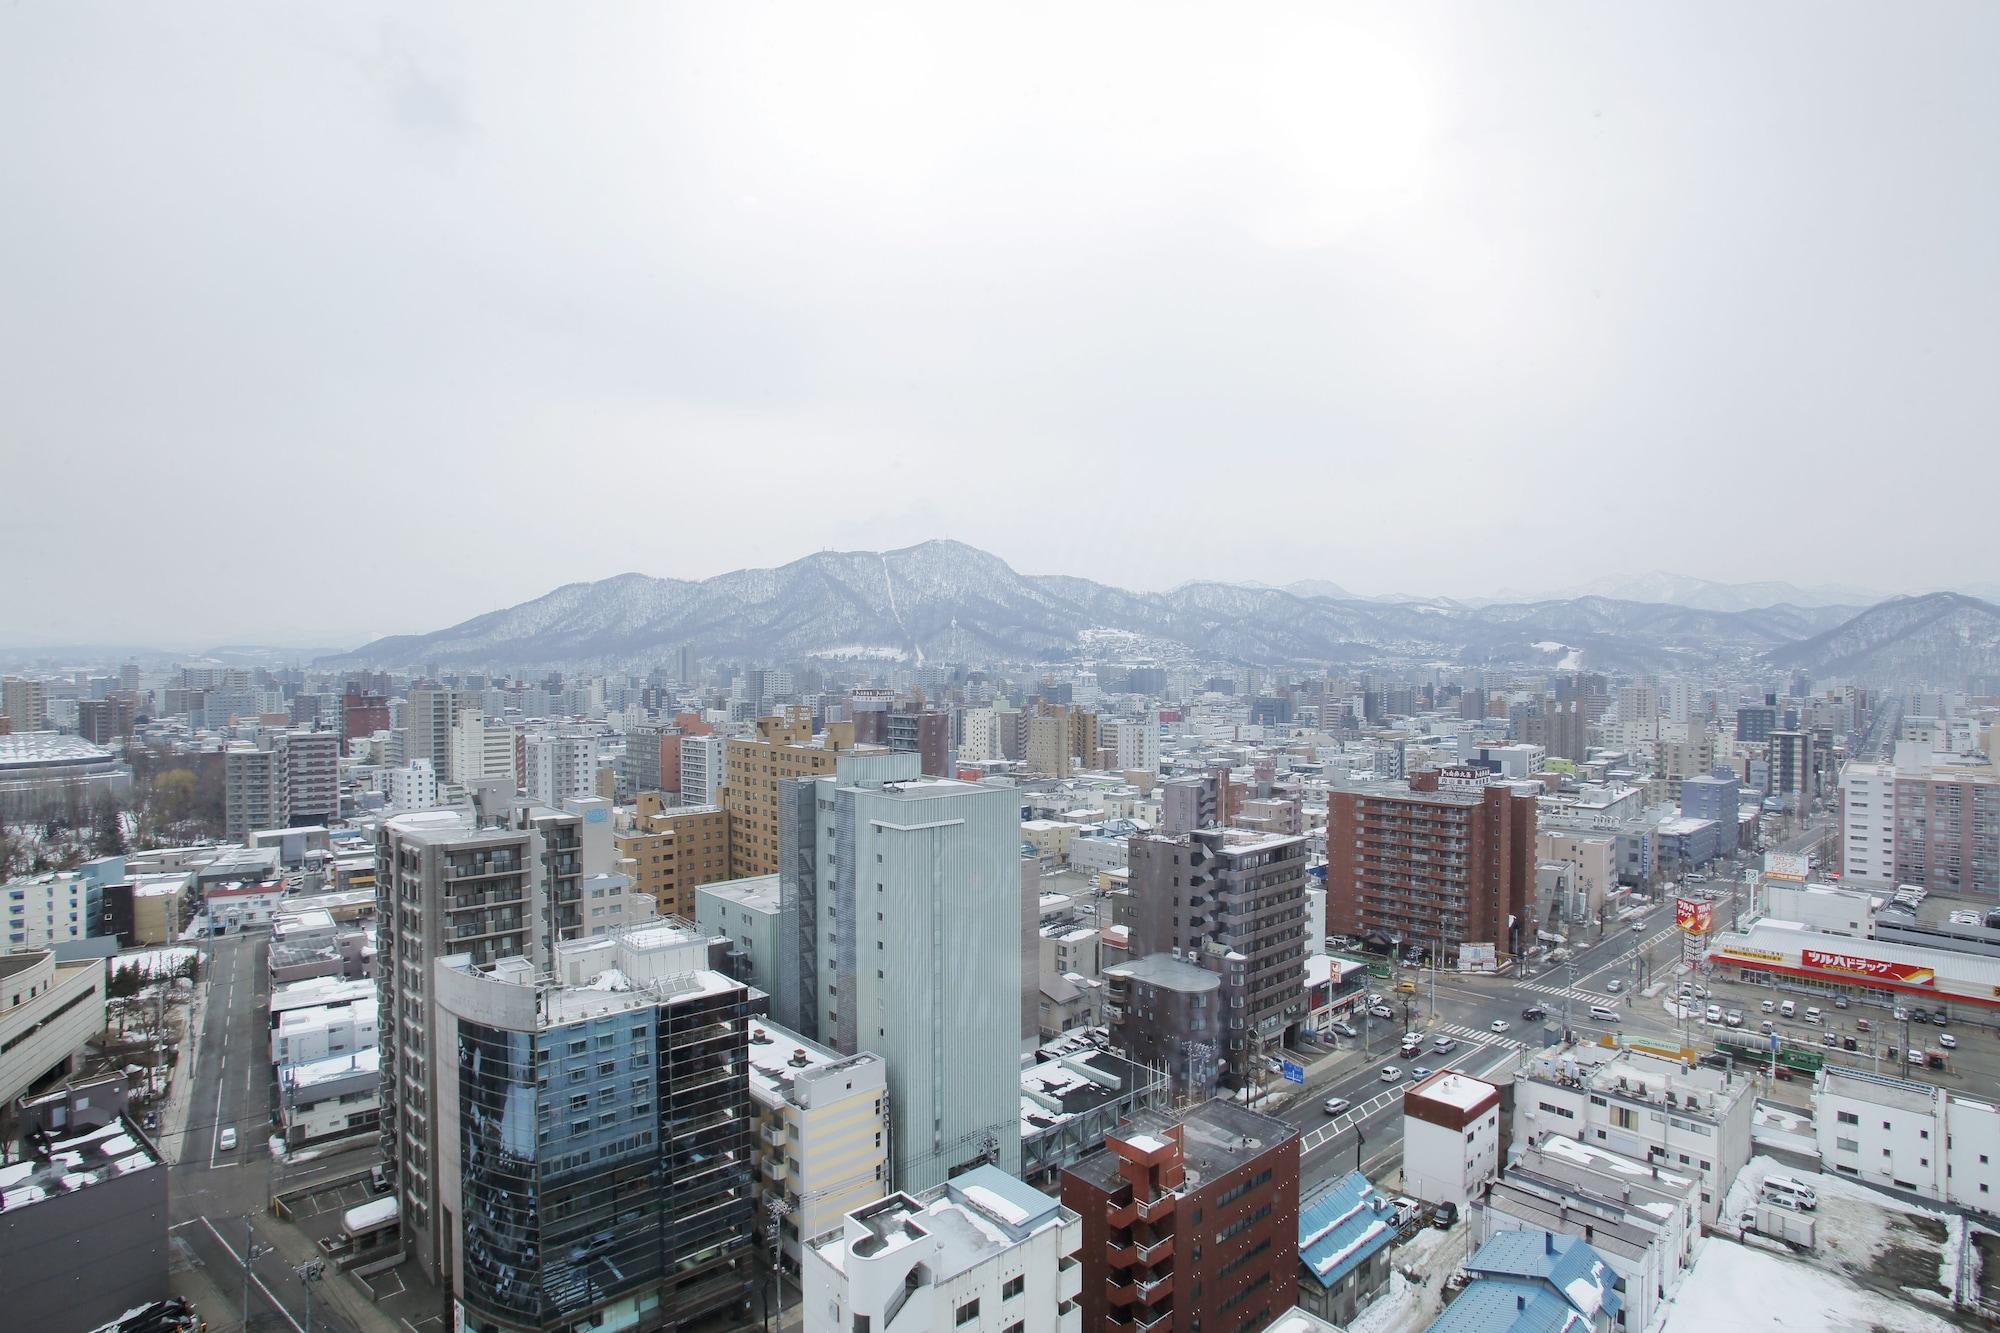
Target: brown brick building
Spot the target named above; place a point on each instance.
(783, 748)
(1189, 1223)
(1449, 859)
(674, 850)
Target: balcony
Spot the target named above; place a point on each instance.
(1122, 1294)
(1157, 1290)
(1162, 1248)
(1152, 1210)
(1122, 1256)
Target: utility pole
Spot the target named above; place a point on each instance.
(310, 1273)
(775, 1208)
(251, 1252)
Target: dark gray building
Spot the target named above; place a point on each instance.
(83, 1229)
(1231, 902)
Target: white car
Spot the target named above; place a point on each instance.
(1391, 1074)
(1946, 1040)
(227, 1142)
(1498, 1025)
(1335, 1105)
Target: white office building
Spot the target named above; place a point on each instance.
(483, 750)
(412, 786)
(1451, 1137)
(1906, 1135)
(561, 768)
(821, 1144)
(981, 1252)
(1637, 1105)
(701, 770)
(896, 948)
(48, 909)
(1868, 821)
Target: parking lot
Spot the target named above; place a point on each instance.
(400, 1293)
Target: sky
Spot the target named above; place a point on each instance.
(319, 322)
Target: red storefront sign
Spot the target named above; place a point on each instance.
(1871, 969)
(1694, 915)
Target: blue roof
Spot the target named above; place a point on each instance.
(1504, 1305)
(1342, 1227)
(1572, 1269)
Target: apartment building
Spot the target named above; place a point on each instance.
(560, 768)
(25, 704)
(981, 1253)
(820, 1147)
(674, 849)
(1447, 860)
(747, 913)
(1642, 1219)
(1232, 902)
(783, 748)
(701, 760)
(904, 923)
(46, 910)
(1692, 1120)
(1947, 835)
(253, 790)
(287, 779)
(593, 1129)
(1868, 821)
(1189, 1222)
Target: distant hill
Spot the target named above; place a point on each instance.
(945, 600)
(1941, 638)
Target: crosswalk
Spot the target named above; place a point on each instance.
(1487, 1037)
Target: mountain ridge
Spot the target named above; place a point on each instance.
(946, 599)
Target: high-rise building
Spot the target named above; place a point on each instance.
(285, 780)
(560, 768)
(1189, 803)
(1138, 742)
(701, 769)
(1048, 747)
(897, 895)
(639, 769)
(485, 749)
(102, 721)
(1447, 860)
(1755, 722)
(25, 703)
(592, 1122)
(783, 748)
(1790, 755)
(1947, 835)
(1189, 1222)
(674, 850)
(1232, 902)
(311, 775)
(253, 790)
(361, 716)
(428, 714)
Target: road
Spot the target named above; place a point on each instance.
(215, 1190)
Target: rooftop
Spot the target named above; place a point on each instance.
(759, 893)
(1217, 1137)
(1460, 1091)
(778, 1055)
(1880, 1089)
(1342, 1226)
(34, 748)
(1163, 969)
(971, 1218)
(75, 1163)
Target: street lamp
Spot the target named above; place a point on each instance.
(251, 1251)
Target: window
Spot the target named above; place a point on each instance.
(1012, 1287)
(1848, 1118)
(967, 1312)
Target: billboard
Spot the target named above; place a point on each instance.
(1868, 969)
(1477, 957)
(1696, 916)
(1787, 865)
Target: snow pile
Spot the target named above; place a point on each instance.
(1402, 1308)
(1736, 1287)
(989, 1201)
(1332, 1261)
(154, 962)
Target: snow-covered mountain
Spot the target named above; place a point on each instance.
(1940, 638)
(946, 600)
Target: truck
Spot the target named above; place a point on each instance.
(1794, 1228)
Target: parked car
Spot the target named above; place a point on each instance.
(1346, 1029)
(1382, 1011)
(1840, 1001)
(152, 1120)
(1812, 1013)
(1863, 1025)
(1735, 1018)
(1446, 1216)
(1713, 1014)
(1946, 1040)
(1768, 1026)
(1770, 1006)
(1335, 1105)
(1830, 1039)
(1849, 1043)
(378, 1179)
(1916, 1057)
(227, 1141)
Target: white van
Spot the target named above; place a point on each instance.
(1714, 1014)
(1604, 1013)
(1788, 1008)
(1786, 1192)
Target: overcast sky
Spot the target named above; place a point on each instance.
(318, 323)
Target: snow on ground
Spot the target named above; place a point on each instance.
(1858, 1228)
(1403, 1308)
(153, 962)
(1736, 1287)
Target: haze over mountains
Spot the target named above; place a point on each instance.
(946, 600)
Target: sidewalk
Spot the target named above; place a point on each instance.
(174, 1113)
